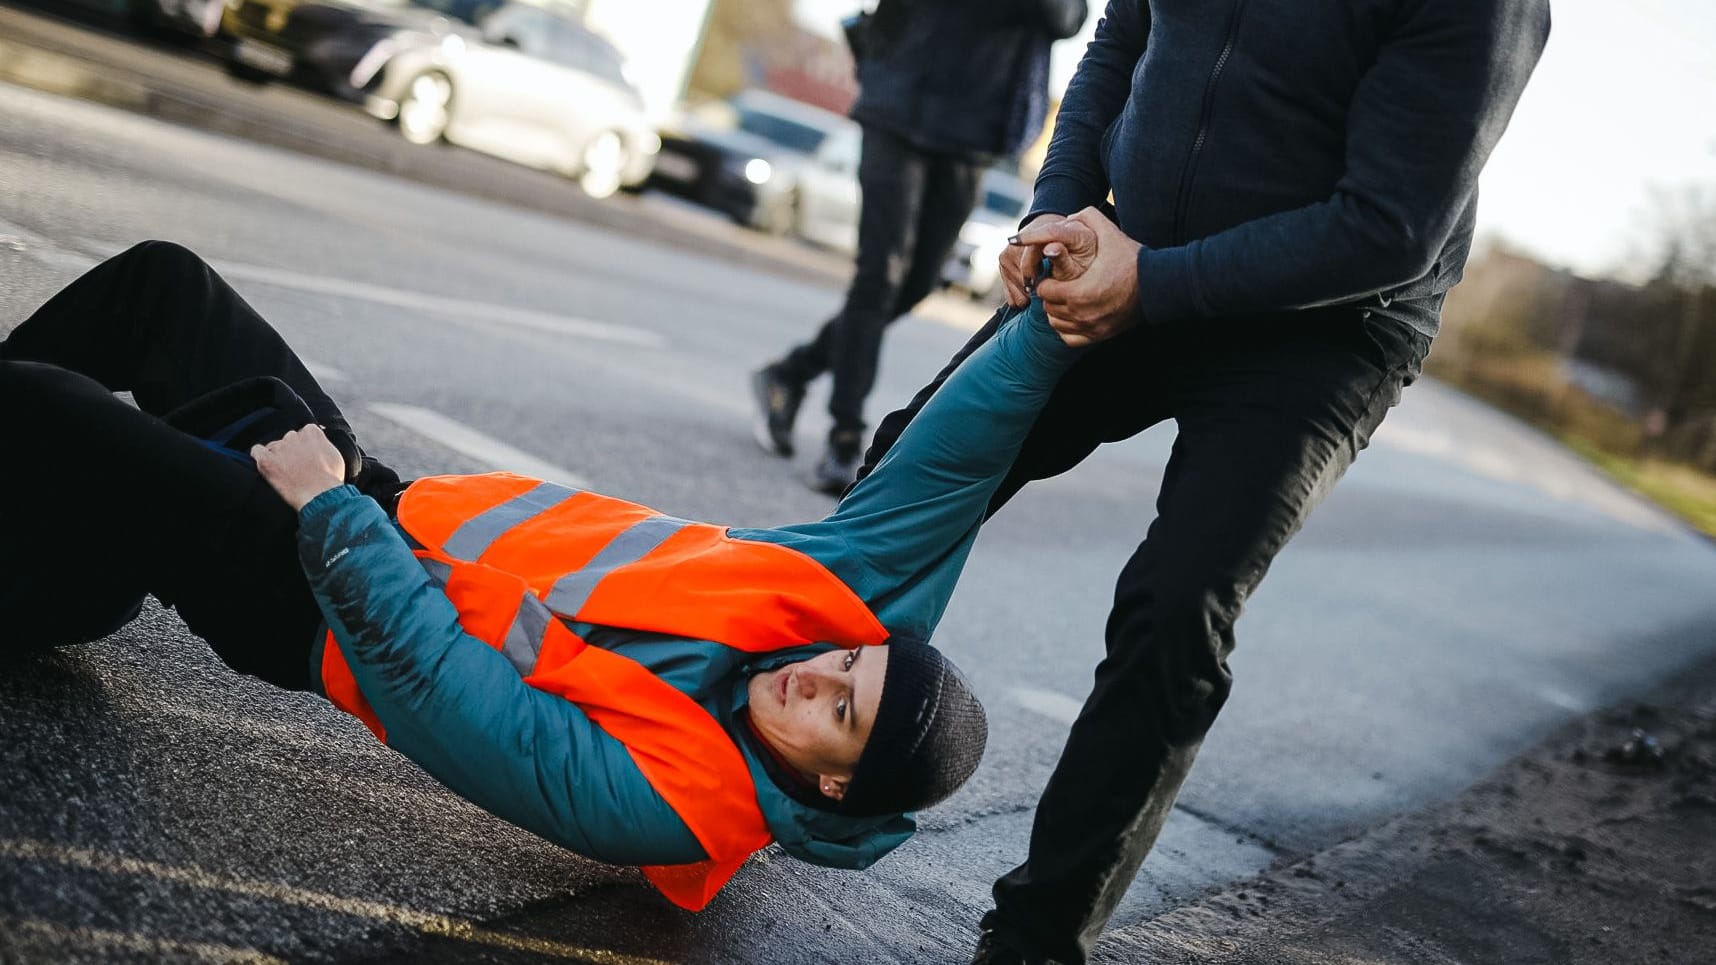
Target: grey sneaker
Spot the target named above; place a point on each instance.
(833, 474)
(777, 409)
(839, 464)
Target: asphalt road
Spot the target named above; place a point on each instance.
(1467, 588)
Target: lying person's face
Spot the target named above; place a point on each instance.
(817, 713)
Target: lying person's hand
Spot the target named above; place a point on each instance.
(300, 465)
(1092, 294)
(1019, 264)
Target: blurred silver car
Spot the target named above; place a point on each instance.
(528, 83)
(768, 161)
(974, 263)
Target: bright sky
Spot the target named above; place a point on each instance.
(1623, 103)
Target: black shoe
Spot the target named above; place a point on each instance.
(777, 409)
(990, 951)
(837, 469)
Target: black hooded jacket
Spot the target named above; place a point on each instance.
(961, 76)
(1274, 155)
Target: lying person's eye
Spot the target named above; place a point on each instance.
(851, 658)
(840, 709)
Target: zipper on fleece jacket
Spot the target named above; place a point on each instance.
(1182, 201)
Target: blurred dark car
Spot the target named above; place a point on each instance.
(174, 18)
(317, 43)
(773, 163)
(199, 18)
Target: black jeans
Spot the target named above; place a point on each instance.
(1271, 412)
(914, 204)
(103, 503)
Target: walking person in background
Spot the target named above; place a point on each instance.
(1294, 189)
(947, 87)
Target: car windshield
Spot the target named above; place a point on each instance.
(789, 134)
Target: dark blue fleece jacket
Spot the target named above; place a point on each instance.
(1274, 155)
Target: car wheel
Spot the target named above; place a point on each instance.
(426, 108)
(602, 166)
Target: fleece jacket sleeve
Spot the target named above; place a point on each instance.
(456, 706)
(1072, 177)
(901, 536)
(1421, 126)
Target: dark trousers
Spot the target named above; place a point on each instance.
(1270, 413)
(103, 503)
(914, 204)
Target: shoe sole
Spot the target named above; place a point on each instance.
(760, 423)
(828, 488)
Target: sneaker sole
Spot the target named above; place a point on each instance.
(760, 423)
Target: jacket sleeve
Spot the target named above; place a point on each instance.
(1422, 123)
(1072, 178)
(905, 530)
(456, 707)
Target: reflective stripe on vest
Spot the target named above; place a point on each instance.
(519, 558)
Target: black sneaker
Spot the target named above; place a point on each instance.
(777, 409)
(991, 951)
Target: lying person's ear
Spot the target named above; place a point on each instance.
(832, 787)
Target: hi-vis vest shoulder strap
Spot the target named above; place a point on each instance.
(518, 556)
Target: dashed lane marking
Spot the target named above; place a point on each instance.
(440, 305)
(427, 923)
(14, 237)
(469, 442)
(25, 931)
(1057, 707)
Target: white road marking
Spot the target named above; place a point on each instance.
(428, 923)
(26, 932)
(419, 301)
(16, 237)
(467, 441)
(1557, 697)
(1055, 706)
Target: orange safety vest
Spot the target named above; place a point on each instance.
(518, 556)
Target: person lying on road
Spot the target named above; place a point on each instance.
(640, 689)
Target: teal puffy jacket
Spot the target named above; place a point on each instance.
(457, 708)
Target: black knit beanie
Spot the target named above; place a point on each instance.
(929, 734)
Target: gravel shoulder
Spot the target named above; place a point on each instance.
(1590, 849)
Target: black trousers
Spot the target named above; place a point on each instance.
(914, 204)
(103, 503)
(1271, 412)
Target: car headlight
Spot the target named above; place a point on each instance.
(758, 171)
(453, 44)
